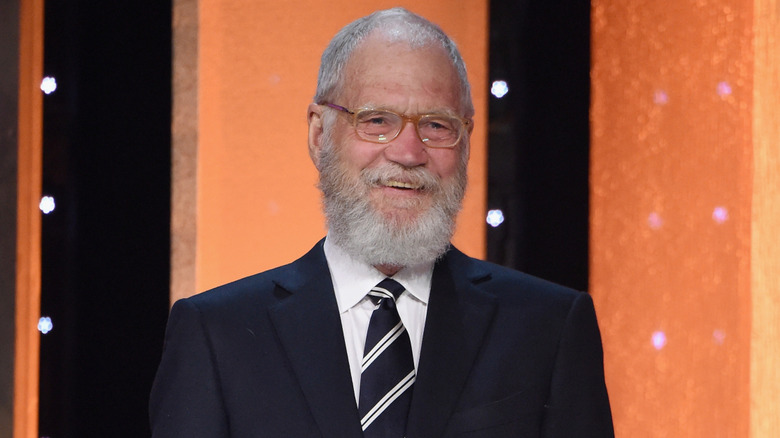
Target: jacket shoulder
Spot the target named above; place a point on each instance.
(510, 285)
(266, 287)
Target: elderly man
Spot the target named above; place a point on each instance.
(384, 329)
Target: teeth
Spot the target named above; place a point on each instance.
(402, 185)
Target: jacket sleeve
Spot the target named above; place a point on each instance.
(578, 405)
(186, 400)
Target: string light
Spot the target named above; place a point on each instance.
(499, 89)
(47, 204)
(495, 218)
(48, 84)
(45, 325)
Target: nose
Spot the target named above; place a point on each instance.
(407, 149)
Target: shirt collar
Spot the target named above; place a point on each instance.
(352, 278)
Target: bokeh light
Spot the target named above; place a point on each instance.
(495, 218)
(45, 325)
(48, 84)
(47, 204)
(499, 89)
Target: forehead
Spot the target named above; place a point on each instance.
(398, 76)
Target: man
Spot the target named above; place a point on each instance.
(479, 350)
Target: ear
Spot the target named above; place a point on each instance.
(467, 145)
(470, 127)
(314, 118)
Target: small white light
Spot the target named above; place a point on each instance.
(660, 97)
(659, 340)
(720, 214)
(47, 204)
(48, 84)
(655, 220)
(719, 336)
(499, 89)
(724, 89)
(45, 325)
(495, 218)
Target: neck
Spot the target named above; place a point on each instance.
(388, 270)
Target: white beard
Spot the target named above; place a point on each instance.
(378, 239)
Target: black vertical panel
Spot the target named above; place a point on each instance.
(9, 98)
(106, 246)
(539, 138)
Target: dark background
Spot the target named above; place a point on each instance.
(538, 154)
(106, 245)
(107, 163)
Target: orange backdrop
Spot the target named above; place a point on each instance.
(255, 202)
(28, 221)
(680, 165)
(685, 187)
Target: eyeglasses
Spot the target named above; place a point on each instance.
(383, 126)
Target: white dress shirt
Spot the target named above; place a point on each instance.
(352, 279)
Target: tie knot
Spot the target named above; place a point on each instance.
(387, 288)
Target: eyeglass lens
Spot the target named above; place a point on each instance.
(383, 126)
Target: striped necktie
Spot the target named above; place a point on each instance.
(387, 371)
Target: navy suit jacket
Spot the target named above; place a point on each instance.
(504, 354)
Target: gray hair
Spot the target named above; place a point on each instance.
(396, 24)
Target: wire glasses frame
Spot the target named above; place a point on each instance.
(383, 126)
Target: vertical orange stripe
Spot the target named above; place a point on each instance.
(765, 242)
(28, 253)
(671, 176)
(184, 136)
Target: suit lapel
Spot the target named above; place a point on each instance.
(308, 325)
(459, 315)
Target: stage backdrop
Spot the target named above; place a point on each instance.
(244, 187)
(685, 186)
(685, 213)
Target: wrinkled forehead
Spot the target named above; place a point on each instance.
(394, 68)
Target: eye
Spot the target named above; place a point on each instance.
(438, 124)
(377, 125)
(373, 118)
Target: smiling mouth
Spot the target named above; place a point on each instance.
(402, 185)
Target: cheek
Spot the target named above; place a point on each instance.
(351, 153)
(358, 155)
(444, 162)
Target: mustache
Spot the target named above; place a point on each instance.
(420, 177)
